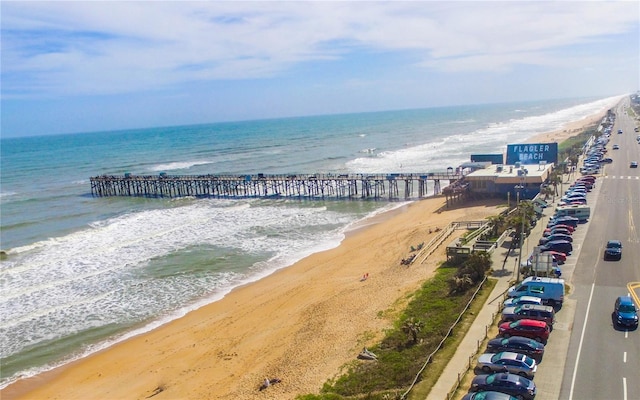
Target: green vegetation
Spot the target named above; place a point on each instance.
(571, 148)
(416, 334)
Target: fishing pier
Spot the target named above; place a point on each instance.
(310, 186)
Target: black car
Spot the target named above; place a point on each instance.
(504, 382)
(613, 251)
(517, 344)
(557, 245)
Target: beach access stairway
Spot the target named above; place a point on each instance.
(478, 227)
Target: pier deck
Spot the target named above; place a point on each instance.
(344, 186)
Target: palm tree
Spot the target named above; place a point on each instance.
(497, 223)
(412, 327)
(555, 178)
(520, 220)
(548, 191)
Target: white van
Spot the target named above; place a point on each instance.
(580, 211)
(550, 290)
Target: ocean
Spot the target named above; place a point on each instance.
(81, 273)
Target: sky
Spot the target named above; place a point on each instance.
(83, 66)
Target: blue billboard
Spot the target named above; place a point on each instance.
(532, 153)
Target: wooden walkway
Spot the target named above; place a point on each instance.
(346, 186)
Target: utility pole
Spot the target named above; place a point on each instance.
(521, 241)
(522, 180)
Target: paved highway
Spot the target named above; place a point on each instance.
(603, 362)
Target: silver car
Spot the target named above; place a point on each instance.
(530, 311)
(518, 301)
(507, 361)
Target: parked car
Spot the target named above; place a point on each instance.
(556, 230)
(488, 396)
(576, 190)
(589, 171)
(562, 246)
(561, 258)
(573, 196)
(536, 330)
(550, 290)
(517, 344)
(514, 385)
(570, 228)
(606, 160)
(613, 250)
(581, 202)
(563, 221)
(625, 312)
(587, 178)
(615, 147)
(585, 185)
(530, 311)
(520, 300)
(514, 363)
(556, 236)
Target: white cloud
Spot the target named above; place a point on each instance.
(54, 48)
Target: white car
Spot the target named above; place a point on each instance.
(517, 301)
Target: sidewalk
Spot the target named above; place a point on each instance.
(477, 331)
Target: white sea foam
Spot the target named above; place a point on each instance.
(440, 153)
(178, 165)
(7, 194)
(52, 287)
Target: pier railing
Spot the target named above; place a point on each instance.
(376, 186)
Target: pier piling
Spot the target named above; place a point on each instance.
(324, 186)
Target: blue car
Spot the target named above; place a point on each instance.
(625, 312)
(553, 237)
(511, 384)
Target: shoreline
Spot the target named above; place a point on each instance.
(274, 326)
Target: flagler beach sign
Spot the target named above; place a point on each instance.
(532, 153)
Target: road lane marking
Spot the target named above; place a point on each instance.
(584, 327)
(624, 388)
(624, 357)
(632, 287)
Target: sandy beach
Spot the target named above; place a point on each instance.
(300, 324)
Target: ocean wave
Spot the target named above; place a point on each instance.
(4, 195)
(437, 154)
(53, 285)
(178, 165)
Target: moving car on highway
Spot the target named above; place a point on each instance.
(613, 250)
(625, 313)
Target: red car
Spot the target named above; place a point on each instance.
(567, 227)
(560, 257)
(536, 330)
